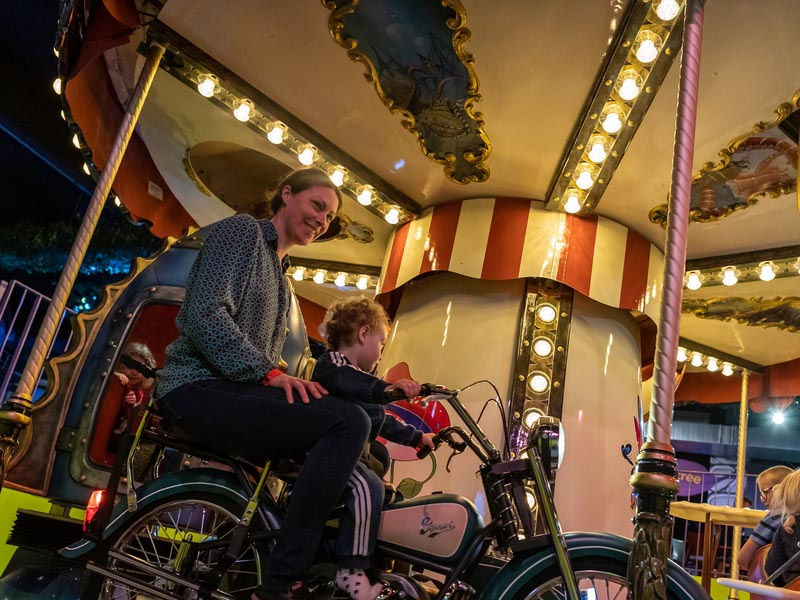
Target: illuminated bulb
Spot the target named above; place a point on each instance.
(76, 141)
(242, 112)
(611, 118)
(298, 273)
(727, 369)
(668, 10)
(86, 169)
(340, 280)
(583, 177)
(729, 276)
(306, 156)
(681, 356)
(572, 202)
(693, 280)
(766, 271)
(55, 51)
(337, 176)
(546, 313)
(207, 85)
(712, 365)
(630, 84)
(530, 498)
(778, 417)
(117, 202)
(542, 347)
(539, 382)
(57, 85)
(365, 196)
(697, 359)
(393, 216)
(62, 115)
(276, 134)
(598, 149)
(319, 277)
(362, 282)
(530, 416)
(649, 44)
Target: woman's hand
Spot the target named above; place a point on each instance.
(303, 388)
(408, 386)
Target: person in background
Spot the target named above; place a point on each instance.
(221, 382)
(355, 331)
(135, 371)
(765, 530)
(786, 543)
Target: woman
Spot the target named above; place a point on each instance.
(221, 380)
(786, 543)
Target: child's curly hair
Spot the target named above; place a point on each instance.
(345, 317)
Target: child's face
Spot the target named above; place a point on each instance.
(372, 341)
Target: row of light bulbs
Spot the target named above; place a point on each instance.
(765, 271)
(338, 278)
(697, 359)
(307, 154)
(629, 84)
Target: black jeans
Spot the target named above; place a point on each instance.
(250, 419)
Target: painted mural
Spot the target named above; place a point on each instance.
(780, 312)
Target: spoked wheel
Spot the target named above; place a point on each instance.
(186, 538)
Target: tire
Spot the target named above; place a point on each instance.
(606, 577)
(156, 537)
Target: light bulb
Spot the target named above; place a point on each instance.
(306, 156)
(62, 115)
(530, 498)
(207, 85)
(365, 196)
(298, 273)
(542, 347)
(712, 365)
(647, 44)
(539, 382)
(393, 216)
(337, 176)
(572, 202)
(530, 416)
(546, 313)
(276, 134)
(681, 356)
(598, 149)
(727, 369)
(729, 276)
(668, 10)
(86, 169)
(778, 417)
(611, 118)
(583, 176)
(362, 282)
(766, 270)
(243, 110)
(340, 280)
(57, 85)
(630, 84)
(55, 51)
(697, 359)
(76, 141)
(319, 277)
(693, 280)
(117, 202)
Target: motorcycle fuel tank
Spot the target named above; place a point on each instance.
(435, 528)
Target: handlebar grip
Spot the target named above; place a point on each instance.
(424, 451)
(394, 395)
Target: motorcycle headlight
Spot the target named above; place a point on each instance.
(547, 437)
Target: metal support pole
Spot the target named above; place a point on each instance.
(16, 409)
(655, 478)
(740, 458)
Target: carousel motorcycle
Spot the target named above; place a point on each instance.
(202, 532)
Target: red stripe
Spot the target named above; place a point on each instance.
(441, 236)
(577, 254)
(634, 273)
(395, 257)
(506, 238)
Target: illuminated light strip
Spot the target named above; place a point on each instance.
(745, 271)
(354, 275)
(687, 348)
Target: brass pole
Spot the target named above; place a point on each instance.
(740, 458)
(16, 409)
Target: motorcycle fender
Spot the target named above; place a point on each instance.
(515, 576)
(197, 482)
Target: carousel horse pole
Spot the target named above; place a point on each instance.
(15, 411)
(655, 477)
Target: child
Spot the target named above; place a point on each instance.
(765, 530)
(786, 501)
(355, 331)
(136, 373)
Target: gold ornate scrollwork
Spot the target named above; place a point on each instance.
(780, 312)
(448, 128)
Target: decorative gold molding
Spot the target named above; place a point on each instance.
(658, 214)
(471, 166)
(782, 313)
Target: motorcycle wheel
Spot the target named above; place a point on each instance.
(157, 537)
(599, 578)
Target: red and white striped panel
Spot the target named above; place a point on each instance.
(509, 238)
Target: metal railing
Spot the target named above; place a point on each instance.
(21, 311)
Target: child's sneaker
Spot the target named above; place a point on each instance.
(357, 585)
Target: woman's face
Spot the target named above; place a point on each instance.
(306, 215)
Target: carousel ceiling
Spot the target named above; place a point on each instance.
(385, 95)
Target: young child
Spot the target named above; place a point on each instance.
(765, 530)
(785, 544)
(135, 371)
(355, 331)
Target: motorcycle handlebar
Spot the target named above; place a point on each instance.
(426, 389)
(445, 435)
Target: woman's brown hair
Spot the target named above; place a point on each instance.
(300, 180)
